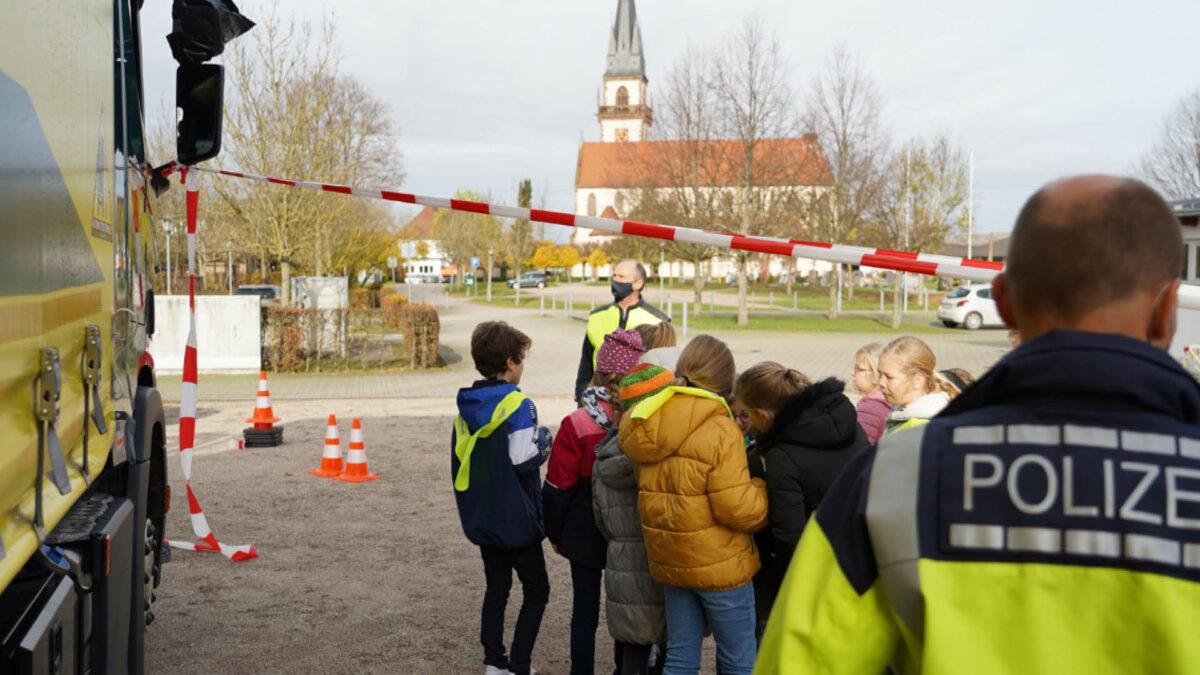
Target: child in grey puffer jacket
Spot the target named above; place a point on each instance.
(633, 599)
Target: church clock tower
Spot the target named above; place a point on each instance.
(624, 114)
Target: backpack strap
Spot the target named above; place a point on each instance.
(465, 441)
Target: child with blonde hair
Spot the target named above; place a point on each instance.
(697, 501)
(872, 409)
(911, 384)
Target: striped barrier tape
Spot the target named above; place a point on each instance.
(187, 405)
(930, 264)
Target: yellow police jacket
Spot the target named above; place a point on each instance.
(601, 322)
(1050, 523)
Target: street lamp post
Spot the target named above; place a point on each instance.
(489, 291)
(229, 249)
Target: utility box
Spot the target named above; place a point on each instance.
(321, 292)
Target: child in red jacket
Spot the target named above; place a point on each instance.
(567, 493)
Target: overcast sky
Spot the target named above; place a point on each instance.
(486, 93)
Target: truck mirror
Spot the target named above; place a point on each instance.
(199, 96)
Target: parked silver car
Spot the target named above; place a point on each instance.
(971, 306)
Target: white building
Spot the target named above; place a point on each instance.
(611, 173)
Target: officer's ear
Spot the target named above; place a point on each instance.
(1004, 301)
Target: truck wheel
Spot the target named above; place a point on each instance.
(973, 321)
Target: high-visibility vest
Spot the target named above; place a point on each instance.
(608, 318)
(464, 440)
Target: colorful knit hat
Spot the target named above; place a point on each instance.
(643, 382)
(620, 352)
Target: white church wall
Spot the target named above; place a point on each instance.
(608, 130)
(634, 86)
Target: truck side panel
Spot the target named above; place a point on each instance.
(60, 216)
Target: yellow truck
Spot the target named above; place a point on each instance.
(83, 481)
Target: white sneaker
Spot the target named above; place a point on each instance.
(493, 670)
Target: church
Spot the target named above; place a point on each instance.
(610, 173)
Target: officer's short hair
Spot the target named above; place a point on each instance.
(1069, 256)
(639, 272)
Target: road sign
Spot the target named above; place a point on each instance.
(475, 263)
(408, 249)
(392, 263)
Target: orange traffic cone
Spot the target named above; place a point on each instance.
(264, 433)
(356, 458)
(331, 461)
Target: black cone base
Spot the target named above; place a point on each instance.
(263, 438)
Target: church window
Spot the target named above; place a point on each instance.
(591, 206)
(622, 135)
(619, 202)
(622, 96)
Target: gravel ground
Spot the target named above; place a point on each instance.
(351, 578)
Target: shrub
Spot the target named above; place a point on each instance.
(393, 307)
(421, 329)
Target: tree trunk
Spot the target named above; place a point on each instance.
(833, 292)
(896, 282)
(743, 314)
(850, 286)
(698, 288)
(285, 278)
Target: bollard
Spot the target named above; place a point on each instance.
(881, 296)
(670, 308)
(795, 301)
(553, 304)
(753, 300)
(543, 303)
(593, 303)
(685, 318)
(567, 307)
(712, 301)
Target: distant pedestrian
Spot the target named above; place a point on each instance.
(872, 409)
(497, 448)
(628, 310)
(911, 384)
(697, 503)
(567, 493)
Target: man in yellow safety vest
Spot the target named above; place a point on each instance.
(626, 311)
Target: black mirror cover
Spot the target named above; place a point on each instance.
(199, 95)
(200, 29)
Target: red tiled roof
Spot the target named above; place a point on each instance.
(609, 212)
(421, 226)
(634, 164)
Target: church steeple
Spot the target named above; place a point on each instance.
(625, 56)
(624, 113)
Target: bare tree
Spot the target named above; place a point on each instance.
(757, 111)
(923, 200)
(295, 115)
(1173, 164)
(464, 235)
(520, 236)
(844, 108)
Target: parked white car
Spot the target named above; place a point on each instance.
(971, 307)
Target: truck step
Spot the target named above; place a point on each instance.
(77, 525)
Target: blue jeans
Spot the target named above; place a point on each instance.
(730, 614)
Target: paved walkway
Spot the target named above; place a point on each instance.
(550, 369)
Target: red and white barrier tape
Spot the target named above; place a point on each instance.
(187, 405)
(901, 261)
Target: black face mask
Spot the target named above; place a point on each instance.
(622, 289)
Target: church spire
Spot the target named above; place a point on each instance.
(625, 56)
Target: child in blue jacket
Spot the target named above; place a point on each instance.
(496, 451)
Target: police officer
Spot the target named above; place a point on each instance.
(627, 311)
(1048, 520)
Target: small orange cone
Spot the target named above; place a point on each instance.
(356, 458)
(264, 418)
(331, 461)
